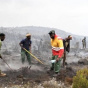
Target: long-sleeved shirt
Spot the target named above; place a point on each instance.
(57, 46)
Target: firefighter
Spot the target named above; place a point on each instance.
(26, 43)
(66, 43)
(57, 51)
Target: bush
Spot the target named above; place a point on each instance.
(81, 79)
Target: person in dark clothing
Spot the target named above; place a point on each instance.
(84, 42)
(26, 43)
(2, 38)
(66, 43)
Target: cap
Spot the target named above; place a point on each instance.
(28, 35)
(52, 32)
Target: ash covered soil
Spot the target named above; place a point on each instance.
(37, 73)
(26, 74)
(23, 76)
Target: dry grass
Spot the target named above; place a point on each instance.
(47, 84)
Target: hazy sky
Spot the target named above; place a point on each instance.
(68, 15)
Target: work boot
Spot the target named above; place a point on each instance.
(52, 68)
(2, 74)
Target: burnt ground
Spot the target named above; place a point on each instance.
(26, 74)
(23, 76)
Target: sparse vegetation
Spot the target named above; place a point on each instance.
(46, 84)
(81, 79)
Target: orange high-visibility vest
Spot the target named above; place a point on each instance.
(57, 46)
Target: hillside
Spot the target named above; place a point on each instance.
(15, 34)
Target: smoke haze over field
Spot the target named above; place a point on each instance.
(41, 46)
